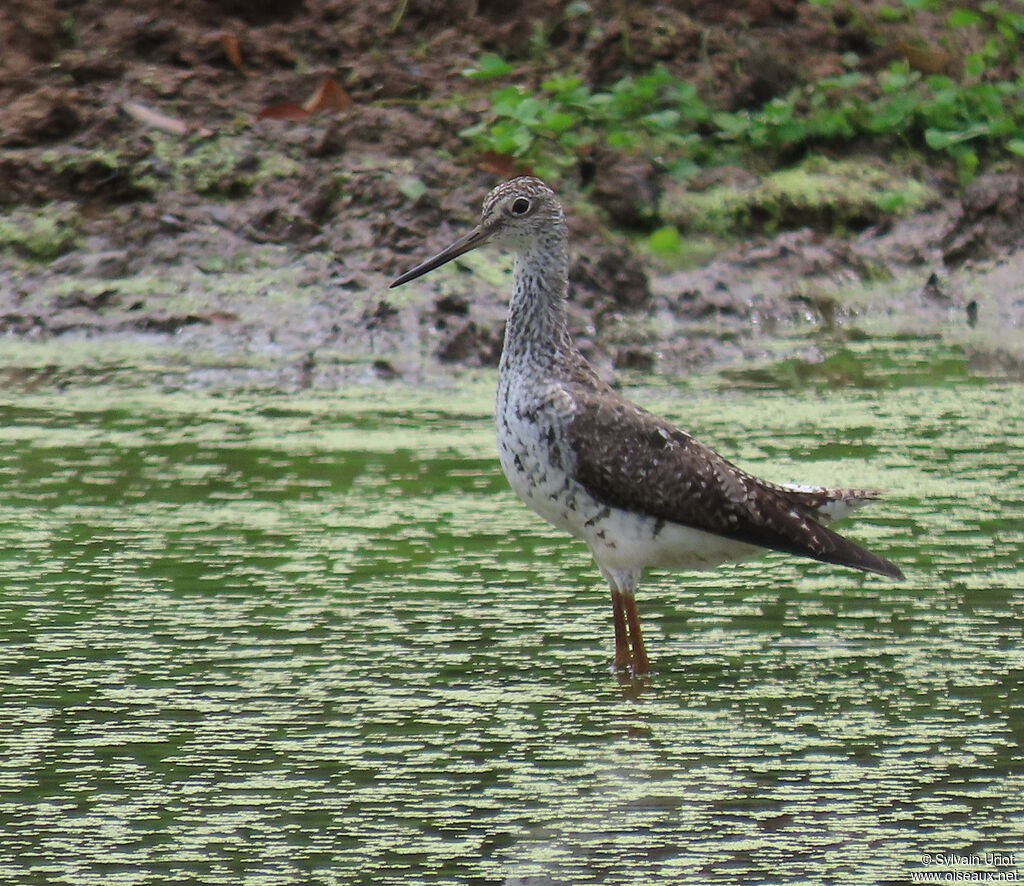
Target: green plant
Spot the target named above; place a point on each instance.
(974, 117)
(39, 235)
(548, 130)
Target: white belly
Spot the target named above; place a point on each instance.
(538, 463)
(623, 541)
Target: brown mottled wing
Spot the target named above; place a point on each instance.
(631, 459)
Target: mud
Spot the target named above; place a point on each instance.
(265, 244)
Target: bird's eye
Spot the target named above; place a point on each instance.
(520, 206)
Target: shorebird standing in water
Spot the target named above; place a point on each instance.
(639, 491)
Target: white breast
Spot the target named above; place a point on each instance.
(538, 463)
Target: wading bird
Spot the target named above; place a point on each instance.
(639, 491)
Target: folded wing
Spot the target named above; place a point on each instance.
(631, 459)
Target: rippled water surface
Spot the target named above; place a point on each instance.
(276, 638)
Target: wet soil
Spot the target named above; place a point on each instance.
(269, 243)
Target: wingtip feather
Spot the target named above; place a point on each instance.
(848, 553)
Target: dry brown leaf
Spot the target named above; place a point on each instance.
(220, 318)
(504, 165)
(233, 51)
(926, 58)
(329, 96)
(283, 111)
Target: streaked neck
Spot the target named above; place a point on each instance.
(537, 333)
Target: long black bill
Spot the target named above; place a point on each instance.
(477, 237)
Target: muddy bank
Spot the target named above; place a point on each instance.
(260, 249)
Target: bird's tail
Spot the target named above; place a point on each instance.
(824, 504)
(830, 503)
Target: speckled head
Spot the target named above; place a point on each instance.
(516, 214)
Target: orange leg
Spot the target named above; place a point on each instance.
(640, 663)
(622, 657)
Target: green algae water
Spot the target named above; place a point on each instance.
(288, 638)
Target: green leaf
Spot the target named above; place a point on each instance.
(940, 140)
(558, 121)
(731, 125)
(941, 83)
(975, 64)
(473, 131)
(684, 168)
(665, 240)
(966, 163)
(964, 18)
(487, 66)
(577, 8)
(411, 188)
(666, 119)
(891, 201)
(891, 13)
(561, 85)
(528, 110)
